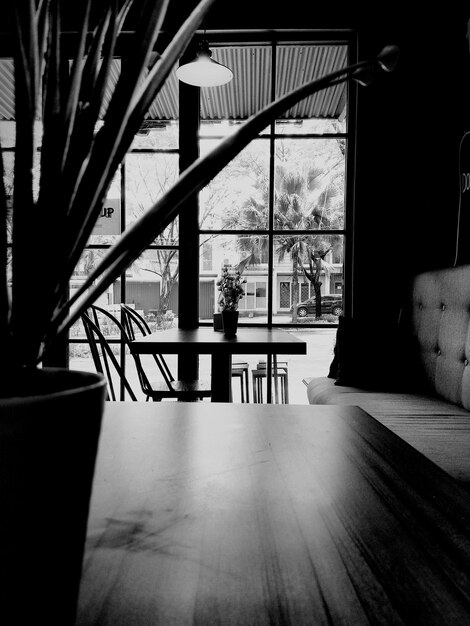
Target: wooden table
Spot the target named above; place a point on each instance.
(207, 341)
(270, 514)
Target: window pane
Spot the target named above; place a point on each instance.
(160, 134)
(152, 287)
(107, 229)
(8, 164)
(246, 253)
(89, 260)
(314, 126)
(237, 199)
(249, 90)
(300, 64)
(300, 263)
(148, 177)
(309, 183)
(7, 131)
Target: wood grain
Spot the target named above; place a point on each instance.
(270, 514)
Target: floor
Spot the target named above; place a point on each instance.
(316, 362)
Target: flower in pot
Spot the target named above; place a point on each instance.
(48, 430)
(230, 286)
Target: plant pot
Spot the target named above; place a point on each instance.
(230, 321)
(48, 442)
(218, 322)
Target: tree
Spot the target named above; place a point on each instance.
(148, 176)
(316, 263)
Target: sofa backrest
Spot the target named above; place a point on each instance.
(441, 324)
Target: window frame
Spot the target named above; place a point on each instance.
(347, 38)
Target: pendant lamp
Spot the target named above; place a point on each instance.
(203, 71)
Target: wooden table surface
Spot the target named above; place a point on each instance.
(204, 340)
(206, 513)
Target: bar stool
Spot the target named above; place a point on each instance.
(240, 370)
(280, 377)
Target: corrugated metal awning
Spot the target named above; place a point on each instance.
(247, 93)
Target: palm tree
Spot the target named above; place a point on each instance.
(298, 207)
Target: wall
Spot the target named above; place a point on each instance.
(409, 129)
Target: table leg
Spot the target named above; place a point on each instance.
(269, 378)
(276, 380)
(221, 378)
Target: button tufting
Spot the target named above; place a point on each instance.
(420, 306)
(443, 307)
(465, 362)
(438, 352)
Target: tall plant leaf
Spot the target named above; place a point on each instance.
(4, 291)
(26, 89)
(71, 106)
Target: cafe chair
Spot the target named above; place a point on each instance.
(105, 361)
(280, 381)
(189, 391)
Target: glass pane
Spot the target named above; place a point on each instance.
(300, 64)
(8, 164)
(301, 264)
(148, 177)
(249, 254)
(309, 184)
(310, 127)
(7, 133)
(7, 141)
(89, 260)
(237, 199)
(79, 353)
(160, 134)
(107, 229)
(152, 287)
(218, 129)
(249, 90)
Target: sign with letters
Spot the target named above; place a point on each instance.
(109, 220)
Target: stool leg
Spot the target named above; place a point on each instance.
(247, 385)
(242, 395)
(255, 397)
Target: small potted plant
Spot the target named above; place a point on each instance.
(230, 285)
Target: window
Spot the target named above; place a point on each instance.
(278, 210)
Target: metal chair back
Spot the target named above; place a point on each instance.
(134, 321)
(104, 359)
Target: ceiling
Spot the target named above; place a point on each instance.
(247, 93)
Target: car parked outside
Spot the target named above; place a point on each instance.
(329, 304)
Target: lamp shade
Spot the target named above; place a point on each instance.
(203, 71)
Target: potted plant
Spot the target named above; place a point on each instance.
(230, 286)
(50, 418)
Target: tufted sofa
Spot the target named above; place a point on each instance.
(435, 419)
